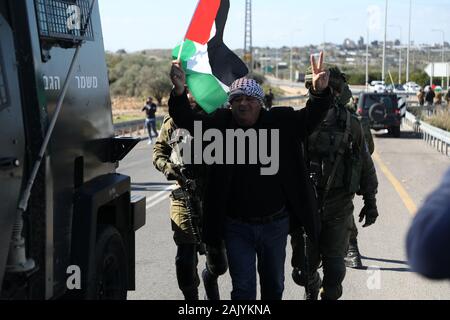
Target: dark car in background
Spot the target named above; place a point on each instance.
(382, 110)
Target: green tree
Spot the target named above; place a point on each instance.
(138, 75)
(160, 86)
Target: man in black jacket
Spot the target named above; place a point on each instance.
(251, 211)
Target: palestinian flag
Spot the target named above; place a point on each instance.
(211, 67)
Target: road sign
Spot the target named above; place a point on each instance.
(438, 69)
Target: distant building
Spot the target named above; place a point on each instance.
(361, 43)
(349, 44)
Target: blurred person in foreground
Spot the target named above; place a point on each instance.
(428, 239)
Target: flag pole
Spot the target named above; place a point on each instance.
(181, 50)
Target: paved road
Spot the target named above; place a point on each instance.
(407, 169)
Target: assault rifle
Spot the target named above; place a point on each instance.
(188, 193)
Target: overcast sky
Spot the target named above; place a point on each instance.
(149, 24)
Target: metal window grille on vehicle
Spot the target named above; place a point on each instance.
(64, 20)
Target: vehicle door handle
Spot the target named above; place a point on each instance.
(9, 163)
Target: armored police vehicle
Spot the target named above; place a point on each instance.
(67, 219)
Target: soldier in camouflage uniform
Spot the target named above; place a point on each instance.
(341, 166)
(188, 243)
(353, 258)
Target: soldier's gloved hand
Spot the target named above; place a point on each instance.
(173, 172)
(369, 212)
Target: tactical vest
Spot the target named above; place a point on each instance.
(324, 147)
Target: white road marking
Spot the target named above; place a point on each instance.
(170, 188)
(159, 197)
(154, 203)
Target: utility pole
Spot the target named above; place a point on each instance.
(409, 42)
(400, 53)
(367, 60)
(290, 65)
(400, 66)
(276, 63)
(383, 74)
(248, 46)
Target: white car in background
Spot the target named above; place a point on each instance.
(397, 88)
(377, 86)
(411, 87)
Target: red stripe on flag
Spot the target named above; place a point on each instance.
(203, 20)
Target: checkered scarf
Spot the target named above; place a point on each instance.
(246, 87)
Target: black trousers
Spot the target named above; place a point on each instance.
(333, 243)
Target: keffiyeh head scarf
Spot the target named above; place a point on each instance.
(246, 87)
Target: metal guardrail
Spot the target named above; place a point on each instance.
(435, 137)
(291, 98)
(131, 127)
(295, 101)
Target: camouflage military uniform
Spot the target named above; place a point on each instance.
(353, 258)
(354, 173)
(165, 161)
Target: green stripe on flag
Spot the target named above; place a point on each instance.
(207, 91)
(205, 88)
(189, 50)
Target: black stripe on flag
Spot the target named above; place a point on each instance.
(225, 64)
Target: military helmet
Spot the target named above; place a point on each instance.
(338, 82)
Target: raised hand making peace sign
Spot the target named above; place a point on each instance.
(321, 77)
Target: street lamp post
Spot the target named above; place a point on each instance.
(443, 50)
(400, 53)
(324, 29)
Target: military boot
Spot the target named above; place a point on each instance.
(312, 288)
(211, 286)
(353, 258)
